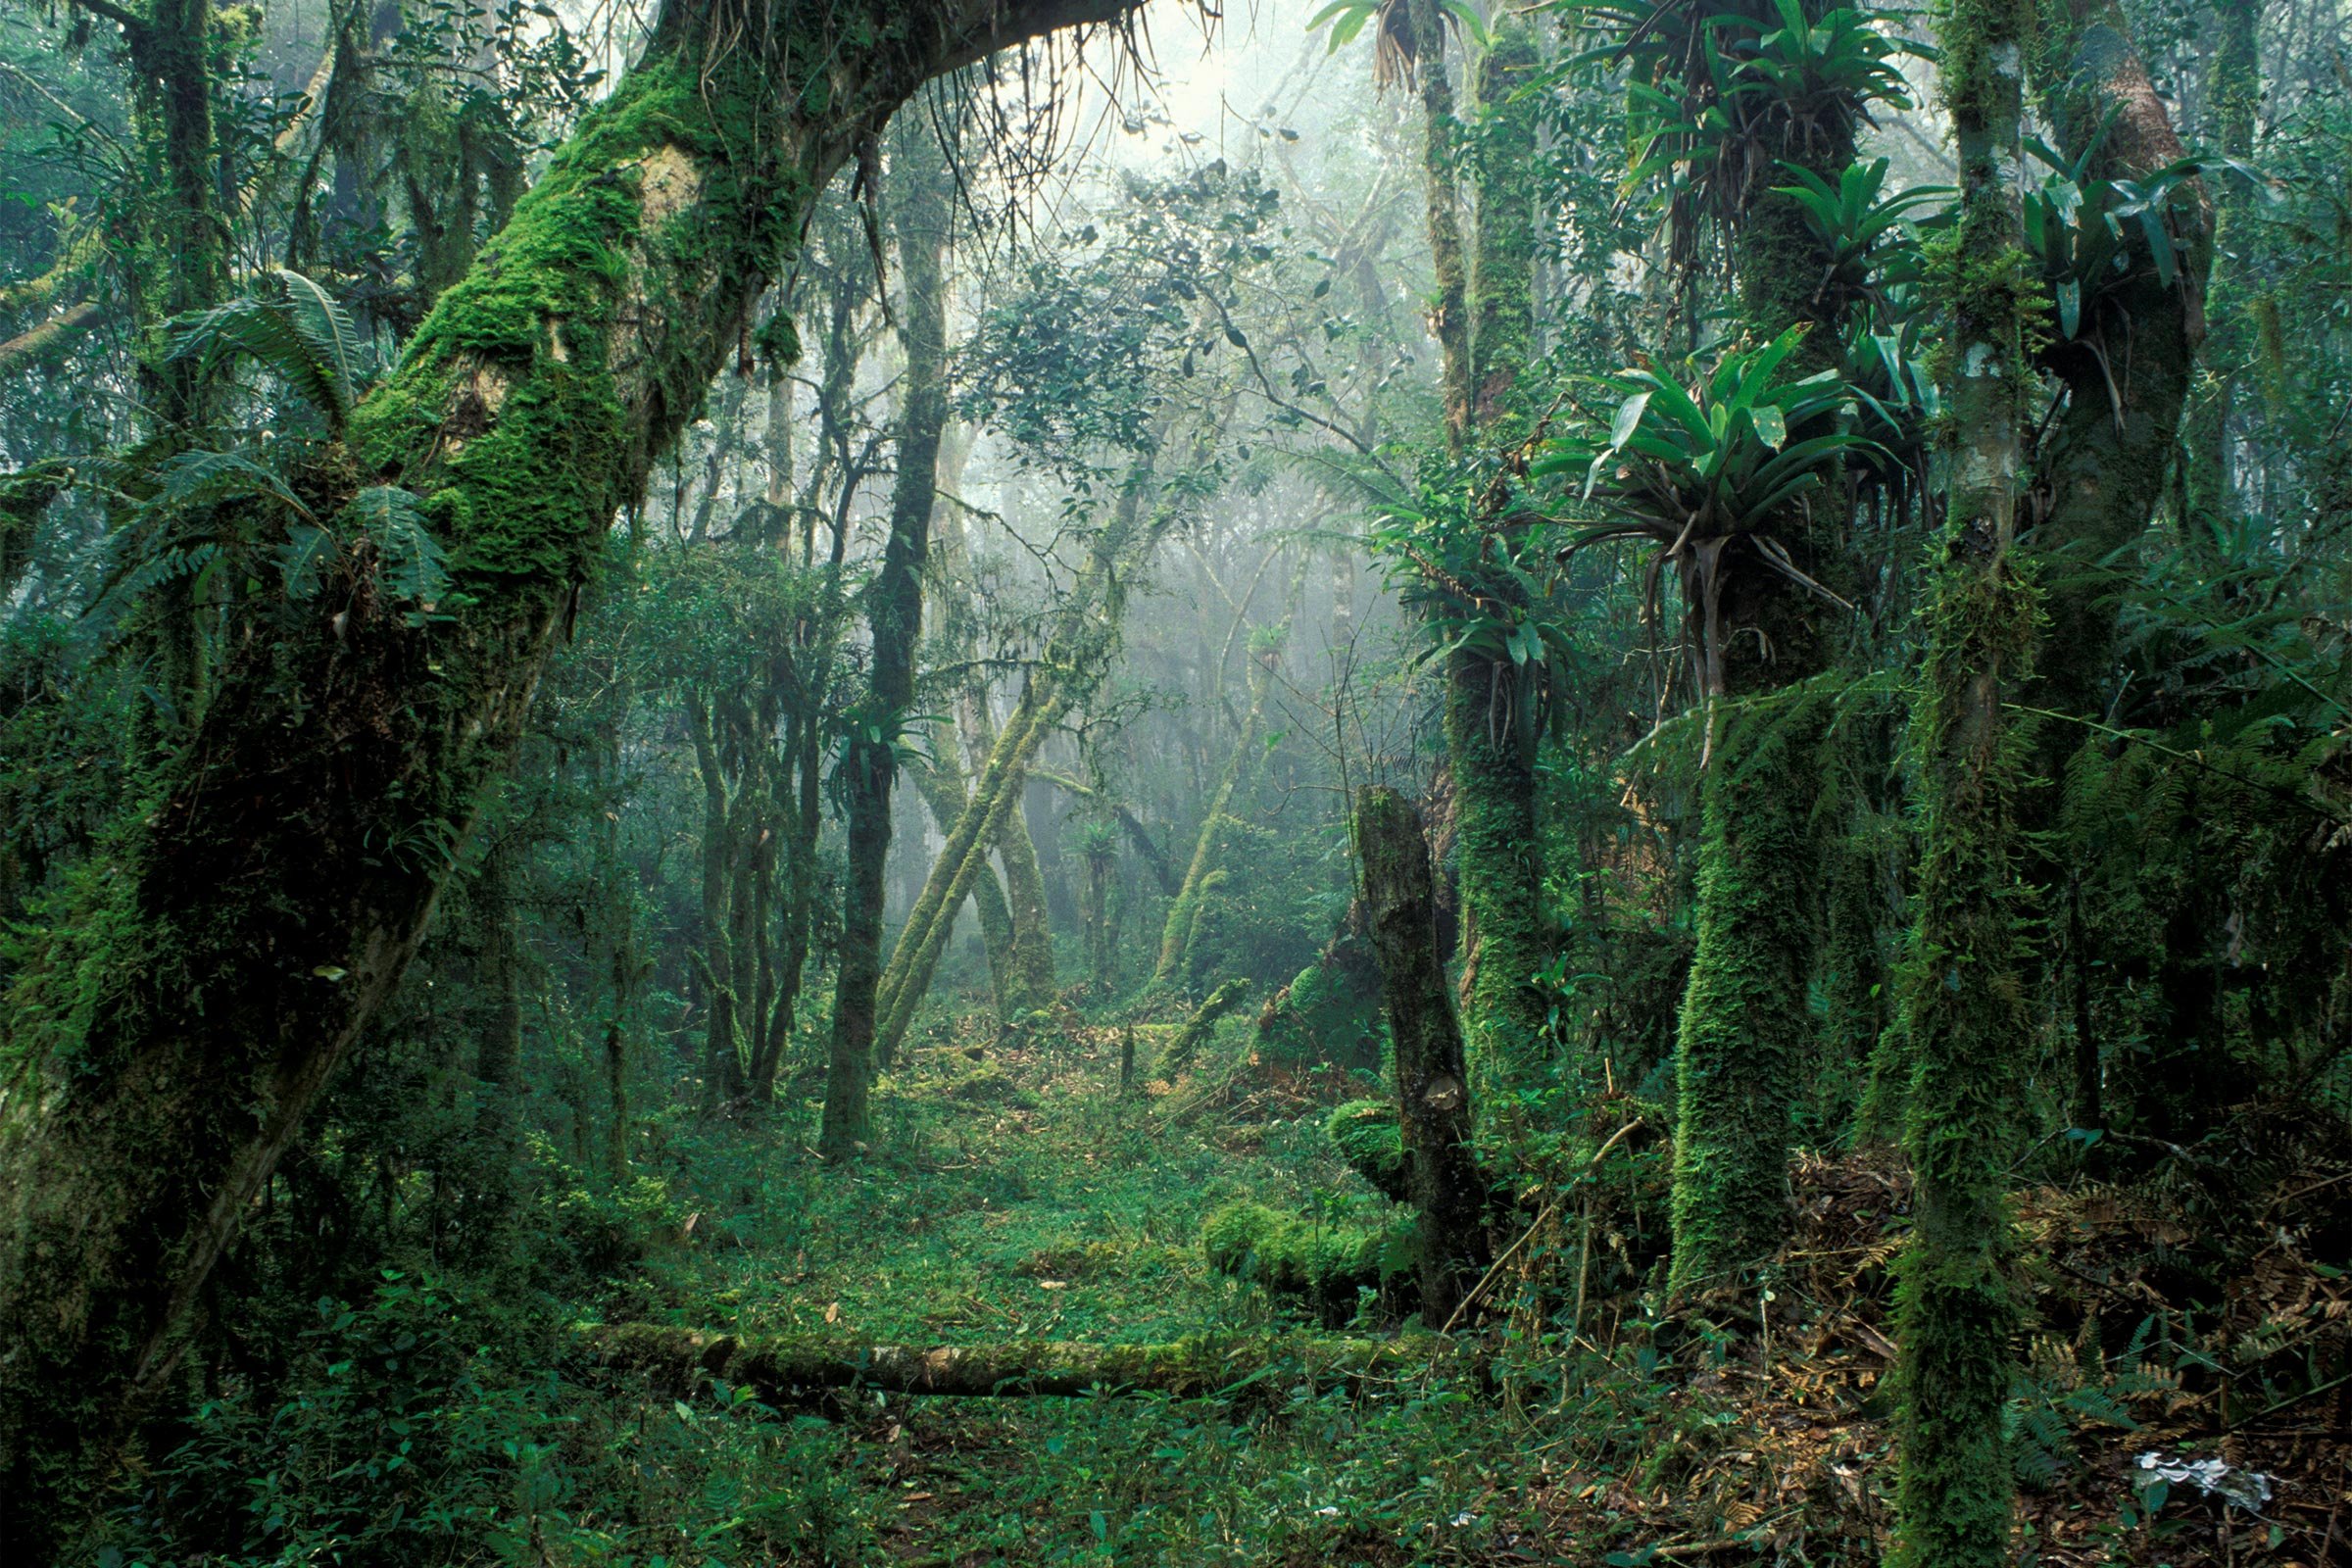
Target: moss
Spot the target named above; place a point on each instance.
(1745, 1051)
(1329, 1013)
(1325, 1267)
(1367, 1135)
(1505, 1017)
(1186, 1043)
(1966, 1025)
(1502, 300)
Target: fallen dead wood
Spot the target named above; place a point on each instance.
(785, 1367)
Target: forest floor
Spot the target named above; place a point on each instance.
(1016, 1195)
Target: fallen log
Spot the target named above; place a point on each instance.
(786, 1367)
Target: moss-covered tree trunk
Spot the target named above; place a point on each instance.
(922, 191)
(1025, 907)
(786, 1369)
(1745, 1045)
(1965, 1002)
(1183, 911)
(1493, 762)
(995, 795)
(1449, 307)
(944, 793)
(2105, 461)
(1433, 1085)
(722, 834)
(1084, 633)
(2103, 469)
(273, 893)
(2234, 90)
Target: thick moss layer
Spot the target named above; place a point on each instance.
(1368, 1136)
(1746, 1047)
(1323, 1267)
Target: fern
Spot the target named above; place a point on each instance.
(295, 330)
(195, 479)
(416, 568)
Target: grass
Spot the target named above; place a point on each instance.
(1014, 1193)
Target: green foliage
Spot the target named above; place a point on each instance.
(1696, 468)
(1327, 1266)
(293, 329)
(1368, 1137)
(1864, 233)
(1090, 350)
(1717, 94)
(2091, 236)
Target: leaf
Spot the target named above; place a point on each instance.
(303, 559)
(1772, 427)
(1628, 420)
(2070, 307)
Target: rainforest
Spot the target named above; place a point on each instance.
(1176, 782)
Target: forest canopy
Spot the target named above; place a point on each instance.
(1036, 781)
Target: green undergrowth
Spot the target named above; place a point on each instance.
(1011, 1195)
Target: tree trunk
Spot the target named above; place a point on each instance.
(2104, 464)
(782, 1369)
(722, 1059)
(923, 193)
(273, 895)
(1184, 913)
(1450, 308)
(1745, 1045)
(1493, 764)
(1033, 982)
(1084, 633)
(1432, 1086)
(2234, 91)
(1969, 1024)
(944, 793)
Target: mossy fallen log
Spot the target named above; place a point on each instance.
(1186, 1043)
(787, 1367)
(1325, 1266)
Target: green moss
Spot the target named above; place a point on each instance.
(1323, 1266)
(1505, 1017)
(1368, 1136)
(1746, 1049)
(1329, 1013)
(1186, 1043)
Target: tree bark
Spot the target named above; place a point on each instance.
(1969, 1024)
(924, 193)
(1433, 1083)
(275, 894)
(1184, 913)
